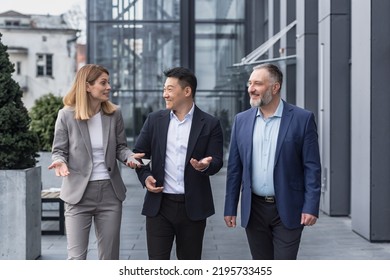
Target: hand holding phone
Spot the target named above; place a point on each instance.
(137, 161)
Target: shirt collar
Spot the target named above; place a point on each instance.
(188, 116)
(278, 112)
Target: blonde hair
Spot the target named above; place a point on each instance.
(77, 97)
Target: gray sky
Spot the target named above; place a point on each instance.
(53, 7)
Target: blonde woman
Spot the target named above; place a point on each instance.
(89, 138)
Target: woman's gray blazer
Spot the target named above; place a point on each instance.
(72, 145)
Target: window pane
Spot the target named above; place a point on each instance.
(40, 70)
(49, 65)
(135, 107)
(223, 105)
(217, 47)
(119, 10)
(18, 67)
(219, 9)
(157, 10)
(135, 53)
(101, 9)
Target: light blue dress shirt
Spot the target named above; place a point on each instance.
(265, 136)
(177, 142)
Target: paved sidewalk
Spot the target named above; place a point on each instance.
(330, 239)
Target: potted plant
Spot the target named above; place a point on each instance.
(43, 118)
(20, 178)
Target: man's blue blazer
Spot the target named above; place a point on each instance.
(297, 170)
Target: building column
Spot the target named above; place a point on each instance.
(334, 105)
(307, 55)
(370, 134)
(287, 47)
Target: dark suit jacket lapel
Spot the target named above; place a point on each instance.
(284, 124)
(163, 124)
(85, 135)
(196, 128)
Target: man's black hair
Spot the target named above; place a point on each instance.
(185, 76)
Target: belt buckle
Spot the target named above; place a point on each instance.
(269, 199)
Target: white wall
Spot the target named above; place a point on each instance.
(64, 60)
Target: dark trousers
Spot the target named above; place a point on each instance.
(172, 222)
(268, 238)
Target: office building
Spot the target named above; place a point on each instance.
(335, 59)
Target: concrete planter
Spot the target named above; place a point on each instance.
(20, 214)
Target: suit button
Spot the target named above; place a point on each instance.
(109, 169)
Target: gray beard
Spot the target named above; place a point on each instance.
(265, 100)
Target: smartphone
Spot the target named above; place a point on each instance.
(141, 161)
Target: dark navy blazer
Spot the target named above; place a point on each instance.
(205, 140)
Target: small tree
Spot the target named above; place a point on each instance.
(43, 118)
(18, 145)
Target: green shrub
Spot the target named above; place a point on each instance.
(18, 145)
(43, 118)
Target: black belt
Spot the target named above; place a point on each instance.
(268, 199)
(174, 197)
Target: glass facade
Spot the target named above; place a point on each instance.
(137, 40)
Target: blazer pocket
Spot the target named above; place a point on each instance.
(293, 143)
(292, 139)
(202, 140)
(297, 186)
(73, 171)
(200, 147)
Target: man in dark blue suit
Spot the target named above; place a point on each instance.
(185, 147)
(274, 163)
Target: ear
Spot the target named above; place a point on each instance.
(87, 87)
(275, 88)
(188, 91)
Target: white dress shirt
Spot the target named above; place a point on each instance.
(177, 142)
